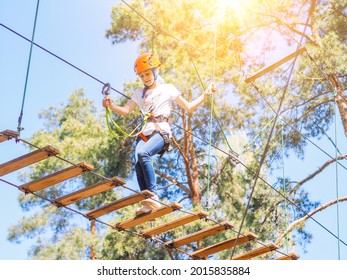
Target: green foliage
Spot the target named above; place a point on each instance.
(78, 131)
(197, 42)
(71, 245)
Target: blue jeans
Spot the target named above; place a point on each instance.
(143, 157)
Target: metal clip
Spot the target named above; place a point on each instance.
(106, 89)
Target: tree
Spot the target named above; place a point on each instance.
(173, 33)
(199, 41)
(317, 82)
(308, 94)
(77, 130)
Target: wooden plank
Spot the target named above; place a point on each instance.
(291, 256)
(123, 202)
(204, 252)
(27, 159)
(56, 178)
(176, 223)
(148, 217)
(89, 191)
(195, 236)
(256, 252)
(7, 135)
(271, 67)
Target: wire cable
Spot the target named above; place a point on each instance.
(77, 67)
(20, 118)
(157, 240)
(209, 200)
(228, 154)
(337, 187)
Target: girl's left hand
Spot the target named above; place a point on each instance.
(211, 89)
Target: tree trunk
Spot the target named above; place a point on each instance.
(195, 187)
(341, 100)
(191, 165)
(92, 231)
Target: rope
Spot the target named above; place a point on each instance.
(174, 124)
(325, 75)
(337, 184)
(109, 120)
(277, 113)
(203, 140)
(235, 154)
(284, 186)
(62, 59)
(159, 30)
(300, 43)
(293, 128)
(211, 123)
(329, 138)
(133, 133)
(267, 146)
(20, 118)
(119, 92)
(245, 147)
(198, 137)
(155, 239)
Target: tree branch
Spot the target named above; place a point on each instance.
(299, 32)
(319, 170)
(291, 27)
(303, 219)
(179, 148)
(174, 181)
(299, 184)
(309, 109)
(339, 12)
(308, 101)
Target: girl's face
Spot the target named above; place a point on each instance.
(147, 78)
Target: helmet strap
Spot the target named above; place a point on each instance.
(155, 75)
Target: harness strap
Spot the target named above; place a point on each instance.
(143, 137)
(158, 119)
(163, 133)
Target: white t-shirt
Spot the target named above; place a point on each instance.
(158, 102)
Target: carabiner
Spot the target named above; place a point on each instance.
(106, 89)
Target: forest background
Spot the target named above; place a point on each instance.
(246, 42)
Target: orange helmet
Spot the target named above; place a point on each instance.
(146, 61)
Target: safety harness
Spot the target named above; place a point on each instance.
(158, 129)
(148, 117)
(155, 120)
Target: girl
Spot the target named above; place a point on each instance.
(155, 99)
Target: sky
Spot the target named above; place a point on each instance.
(75, 31)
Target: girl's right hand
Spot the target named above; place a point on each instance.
(106, 102)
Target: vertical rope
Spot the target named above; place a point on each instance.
(211, 123)
(19, 127)
(284, 187)
(337, 184)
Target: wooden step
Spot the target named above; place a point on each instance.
(291, 256)
(7, 135)
(271, 67)
(123, 202)
(27, 159)
(164, 210)
(176, 223)
(256, 252)
(195, 236)
(89, 191)
(230, 243)
(56, 178)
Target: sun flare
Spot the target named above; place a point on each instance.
(241, 8)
